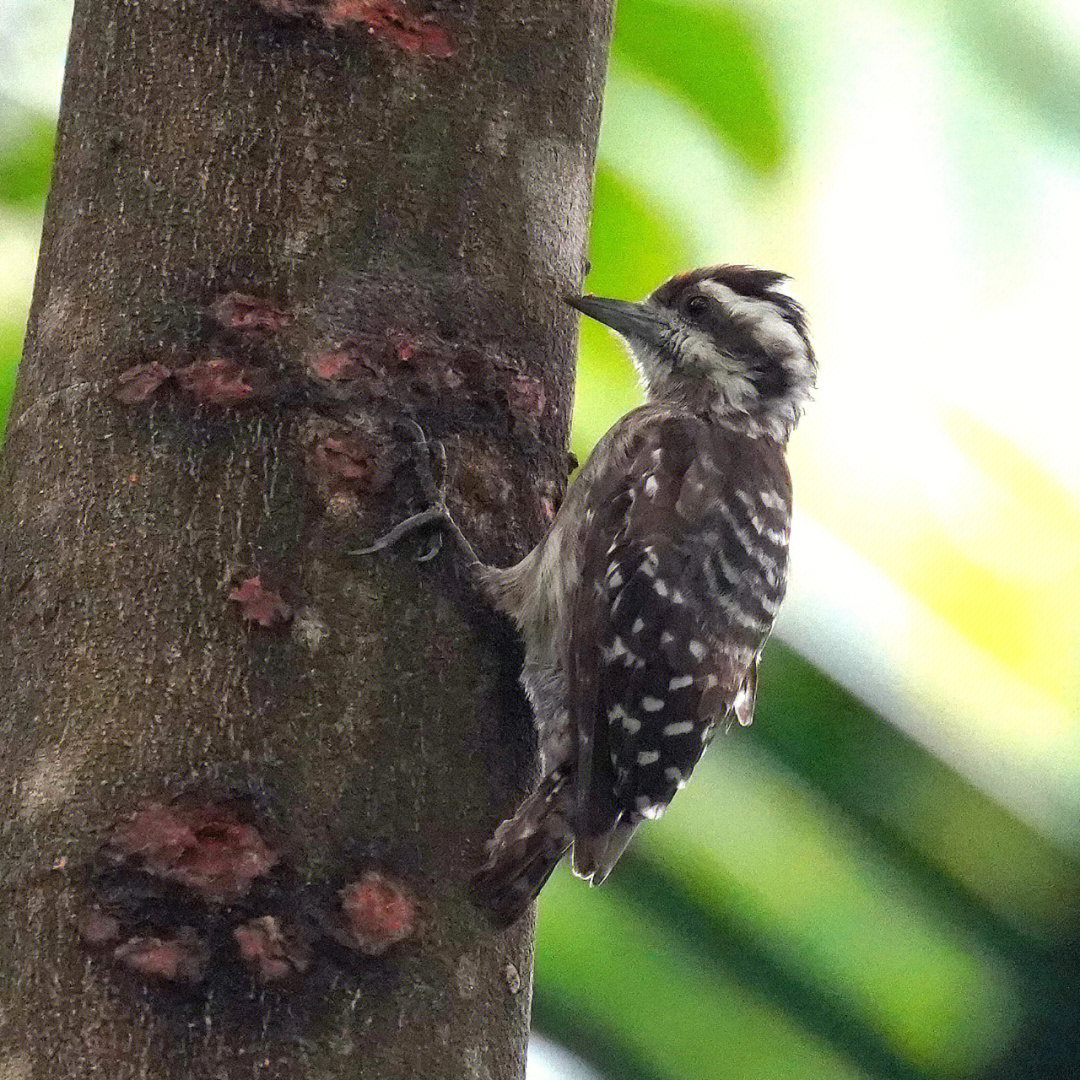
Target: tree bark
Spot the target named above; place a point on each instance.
(245, 775)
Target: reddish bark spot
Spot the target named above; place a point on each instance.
(341, 459)
(551, 497)
(336, 364)
(378, 911)
(353, 459)
(350, 362)
(220, 380)
(140, 382)
(240, 312)
(270, 952)
(391, 21)
(97, 929)
(525, 396)
(259, 604)
(204, 847)
(388, 20)
(404, 347)
(172, 959)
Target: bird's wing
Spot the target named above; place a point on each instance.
(683, 572)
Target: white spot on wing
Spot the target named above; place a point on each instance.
(683, 727)
(630, 724)
(651, 704)
(617, 649)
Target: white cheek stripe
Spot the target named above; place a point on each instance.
(763, 318)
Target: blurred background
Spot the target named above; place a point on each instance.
(880, 878)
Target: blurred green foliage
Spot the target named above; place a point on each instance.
(709, 54)
(26, 162)
(827, 899)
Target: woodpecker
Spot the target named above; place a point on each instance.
(644, 610)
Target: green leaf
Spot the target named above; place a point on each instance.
(711, 56)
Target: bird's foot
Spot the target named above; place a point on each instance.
(430, 462)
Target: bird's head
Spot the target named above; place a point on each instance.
(728, 337)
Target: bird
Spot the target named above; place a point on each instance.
(644, 609)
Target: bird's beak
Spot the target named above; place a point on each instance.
(632, 320)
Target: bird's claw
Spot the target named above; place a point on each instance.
(435, 544)
(426, 451)
(434, 515)
(429, 458)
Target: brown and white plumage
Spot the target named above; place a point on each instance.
(645, 608)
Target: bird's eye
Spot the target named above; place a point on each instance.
(696, 305)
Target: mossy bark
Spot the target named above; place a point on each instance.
(403, 192)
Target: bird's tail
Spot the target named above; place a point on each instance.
(595, 853)
(525, 849)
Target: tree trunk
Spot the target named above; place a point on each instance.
(246, 775)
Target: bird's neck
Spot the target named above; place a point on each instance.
(703, 398)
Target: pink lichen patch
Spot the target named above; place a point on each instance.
(97, 929)
(220, 380)
(205, 847)
(271, 953)
(171, 959)
(237, 311)
(525, 396)
(141, 381)
(259, 604)
(391, 21)
(377, 912)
